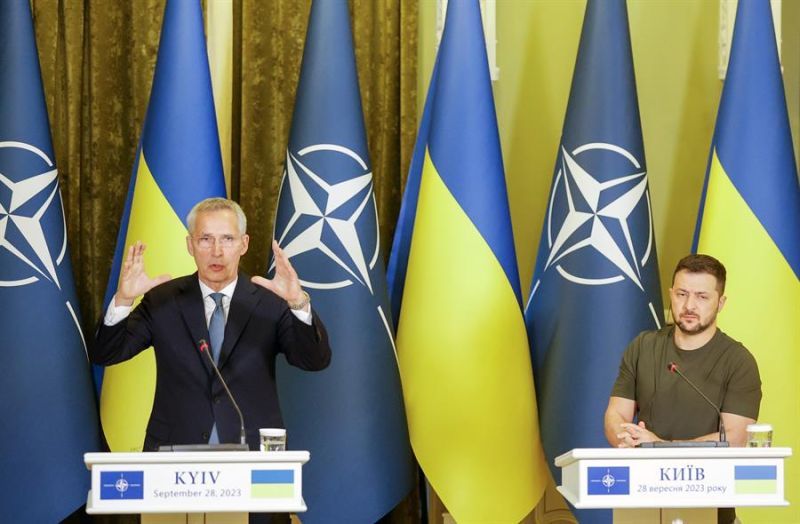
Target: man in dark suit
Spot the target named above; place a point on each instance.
(247, 322)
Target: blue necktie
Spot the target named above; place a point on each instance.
(216, 326)
(216, 332)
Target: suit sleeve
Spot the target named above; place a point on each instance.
(305, 346)
(124, 340)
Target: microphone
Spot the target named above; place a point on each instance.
(673, 368)
(203, 347)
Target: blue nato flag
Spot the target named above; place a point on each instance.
(350, 416)
(46, 394)
(595, 285)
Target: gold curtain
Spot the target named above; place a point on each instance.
(97, 60)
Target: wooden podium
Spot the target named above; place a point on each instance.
(208, 486)
(672, 484)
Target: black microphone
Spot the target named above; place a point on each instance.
(673, 368)
(203, 347)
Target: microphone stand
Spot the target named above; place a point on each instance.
(242, 445)
(242, 433)
(672, 367)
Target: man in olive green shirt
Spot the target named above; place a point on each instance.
(666, 407)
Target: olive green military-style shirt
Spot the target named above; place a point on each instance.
(723, 369)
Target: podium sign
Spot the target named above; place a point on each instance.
(196, 482)
(673, 477)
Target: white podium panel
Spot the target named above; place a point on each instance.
(196, 482)
(673, 477)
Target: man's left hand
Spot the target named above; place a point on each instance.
(634, 434)
(285, 283)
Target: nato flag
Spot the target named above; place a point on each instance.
(350, 416)
(595, 286)
(46, 395)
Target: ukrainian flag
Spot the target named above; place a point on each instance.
(750, 219)
(757, 480)
(177, 164)
(272, 483)
(462, 345)
(219, 31)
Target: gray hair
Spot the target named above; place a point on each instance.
(216, 204)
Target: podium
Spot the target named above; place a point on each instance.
(208, 486)
(666, 484)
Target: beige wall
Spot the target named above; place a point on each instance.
(675, 56)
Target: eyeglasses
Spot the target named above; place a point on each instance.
(209, 241)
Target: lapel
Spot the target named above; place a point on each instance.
(190, 304)
(243, 302)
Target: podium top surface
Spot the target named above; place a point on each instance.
(667, 453)
(185, 457)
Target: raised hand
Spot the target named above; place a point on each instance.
(285, 283)
(133, 281)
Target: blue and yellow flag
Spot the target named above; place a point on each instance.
(177, 165)
(595, 285)
(461, 339)
(46, 394)
(750, 220)
(350, 416)
(219, 38)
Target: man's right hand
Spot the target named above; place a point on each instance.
(634, 434)
(133, 281)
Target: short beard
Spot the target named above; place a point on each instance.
(695, 331)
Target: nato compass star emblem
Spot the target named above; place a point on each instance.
(28, 192)
(608, 481)
(23, 203)
(590, 215)
(121, 485)
(613, 480)
(330, 191)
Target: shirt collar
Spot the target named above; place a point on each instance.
(227, 290)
